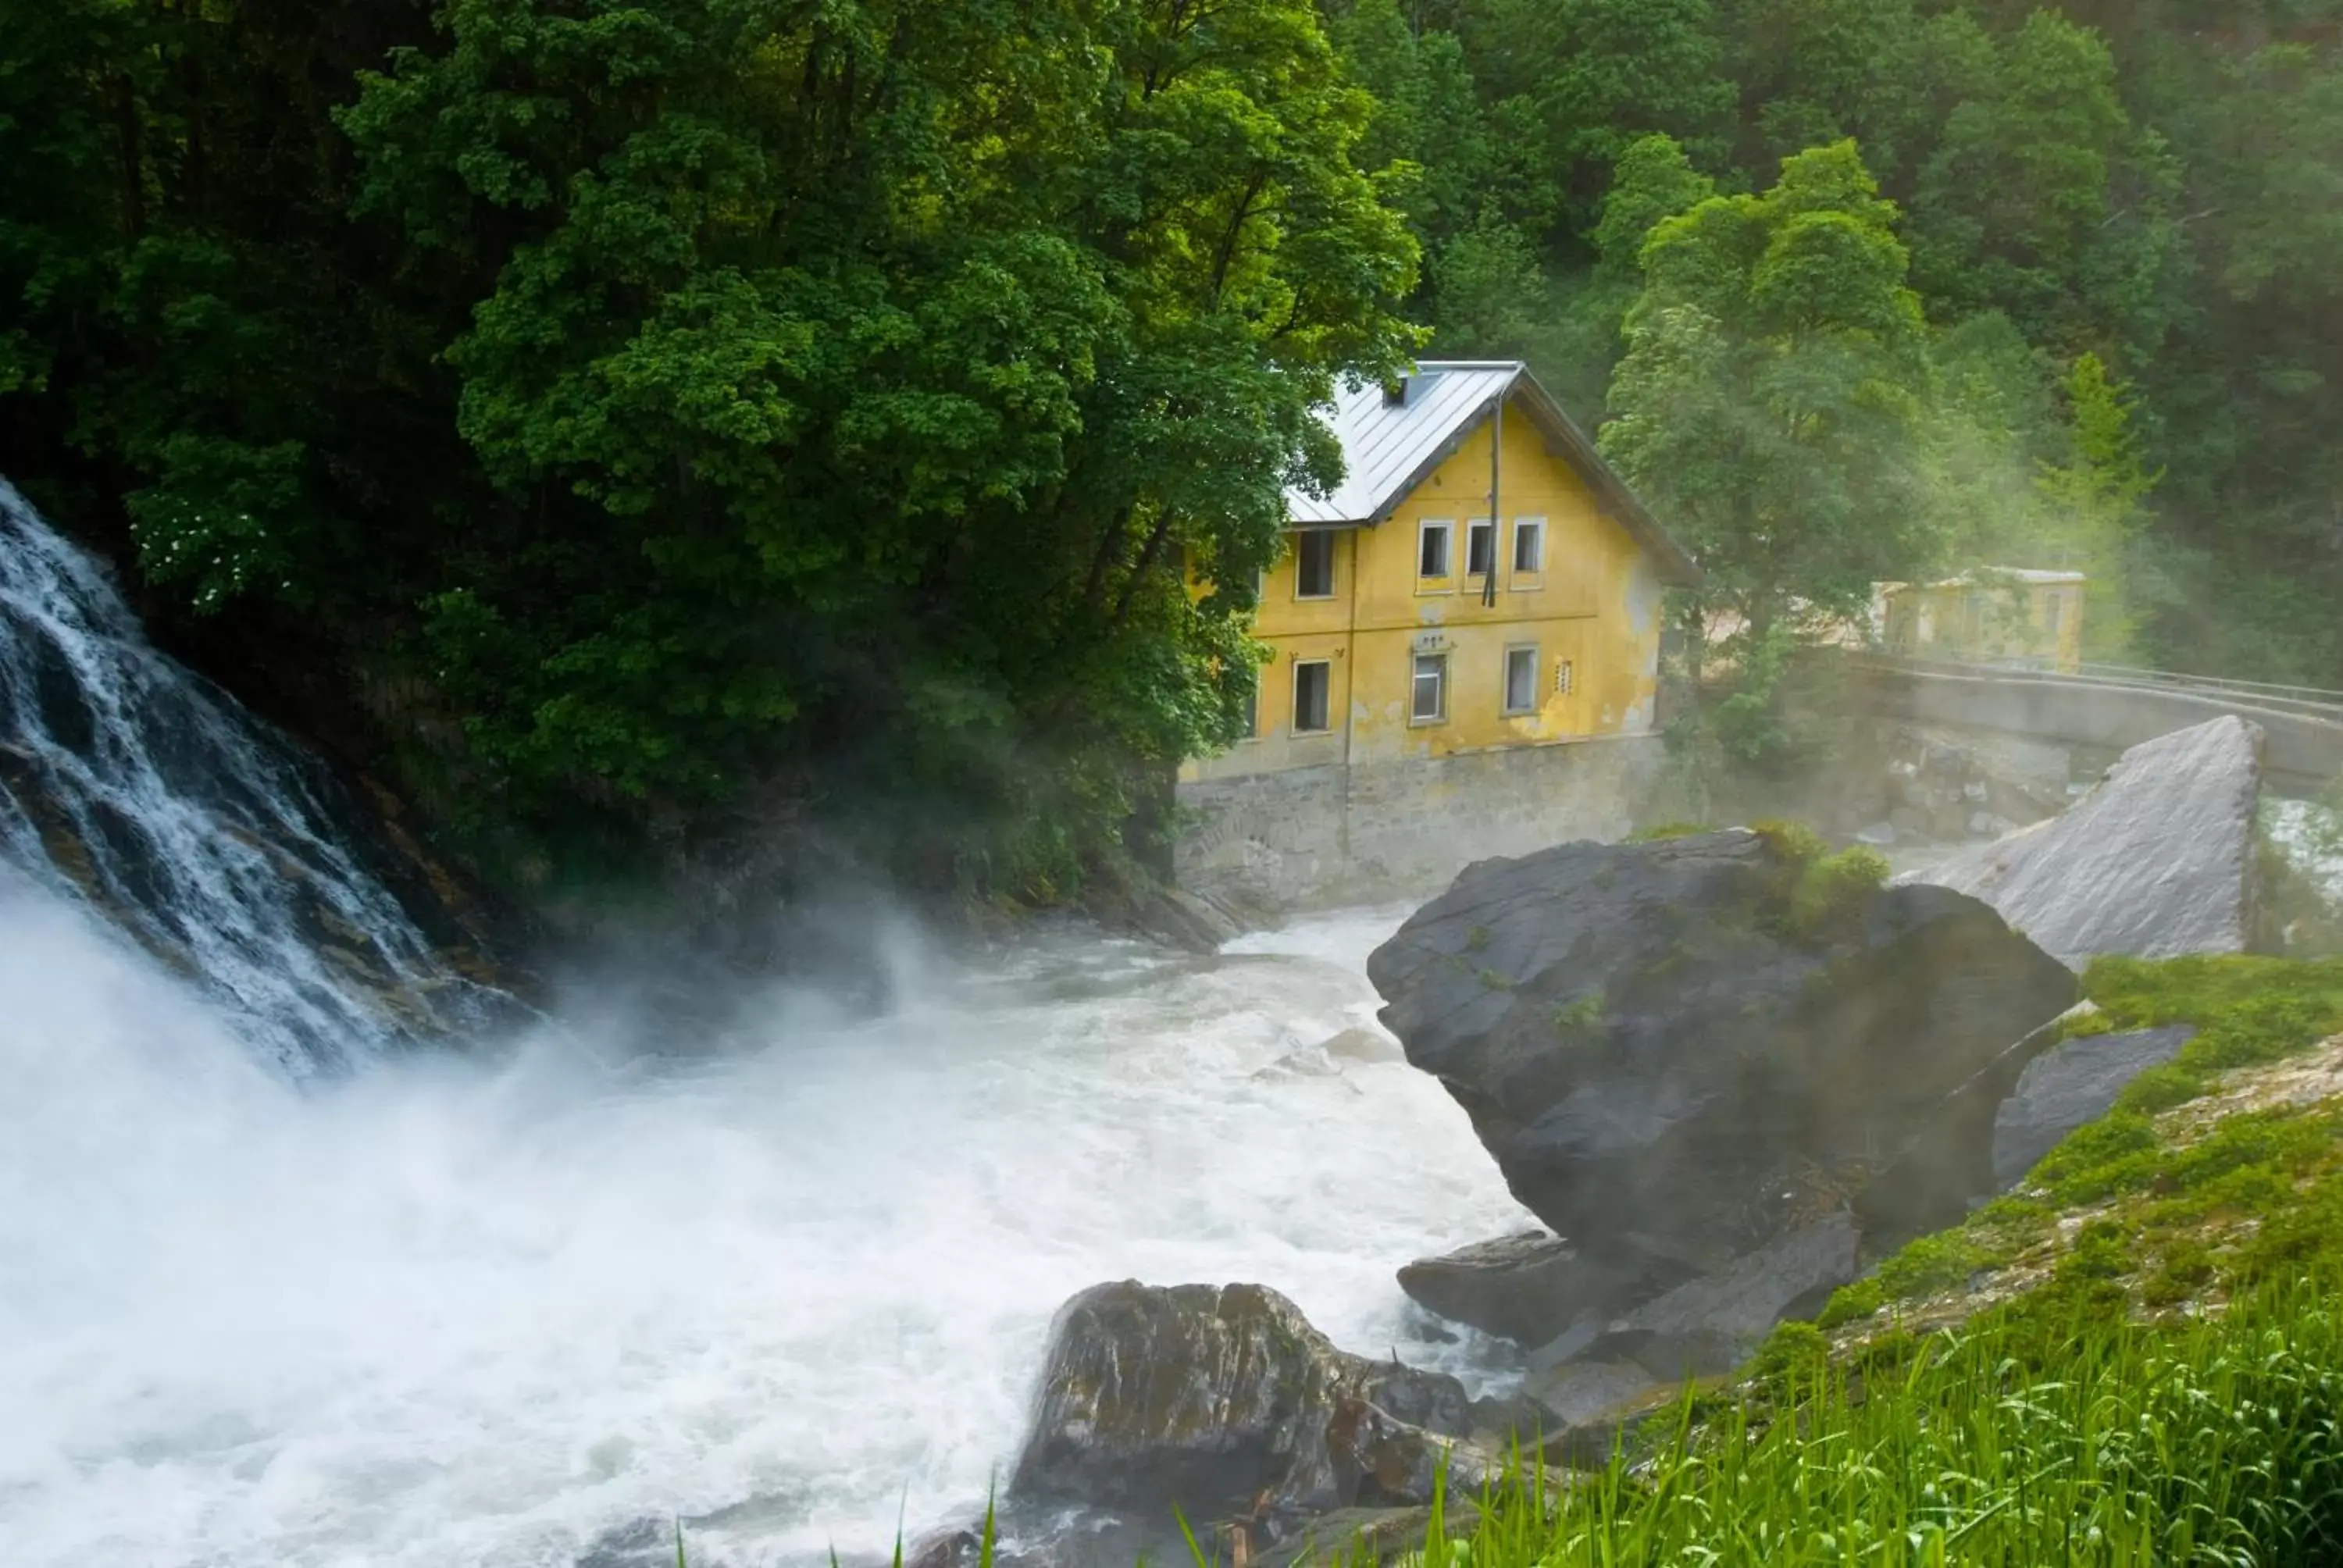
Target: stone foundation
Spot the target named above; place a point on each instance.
(1334, 834)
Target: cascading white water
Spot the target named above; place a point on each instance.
(127, 782)
(448, 1310)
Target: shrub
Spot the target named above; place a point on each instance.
(1832, 890)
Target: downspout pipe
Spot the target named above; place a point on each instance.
(1496, 464)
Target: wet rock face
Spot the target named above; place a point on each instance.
(2074, 1081)
(1518, 1287)
(1669, 1067)
(1223, 1403)
(2156, 861)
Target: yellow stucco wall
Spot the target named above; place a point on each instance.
(1954, 620)
(1594, 607)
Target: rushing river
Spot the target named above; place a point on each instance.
(287, 1281)
(446, 1313)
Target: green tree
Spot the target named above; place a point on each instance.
(1597, 75)
(1994, 421)
(1653, 181)
(2238, 408)
(2094, 505)
(187, 324)
(870, 375)
(1769, 406)
(2042, 201)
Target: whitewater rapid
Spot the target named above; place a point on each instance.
(450, 1313)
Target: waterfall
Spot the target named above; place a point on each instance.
(133, 786)
(276, 1291)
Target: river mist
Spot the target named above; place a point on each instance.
(450, 1310)
(313, 1251)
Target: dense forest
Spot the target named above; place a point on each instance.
(622, 424)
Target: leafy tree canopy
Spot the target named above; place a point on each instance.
(1770, 399)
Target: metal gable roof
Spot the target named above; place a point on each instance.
(1385, 446)
(1389, 449)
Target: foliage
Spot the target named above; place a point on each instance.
(2136, 189)
(1833, 889)
(843, 394)
(625, 422)
(1797, 844)
(2045, 1433)
(1660, 831)
(1769, 402)
(2095, 509)
(2248, 1012)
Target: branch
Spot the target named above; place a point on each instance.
(1146, 564)
(1236, 228)
(1094, 589)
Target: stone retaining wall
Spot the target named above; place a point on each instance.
(1337, 834)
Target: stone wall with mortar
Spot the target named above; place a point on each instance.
(1331, 835)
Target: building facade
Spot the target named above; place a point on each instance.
(1404, 624)
(2006, 615)
(1481, 587)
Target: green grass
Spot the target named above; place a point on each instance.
(2176, 1206)
(2167, 1389)
(1664, 831)
(2023, 1440)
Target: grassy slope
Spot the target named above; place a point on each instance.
(2135, 1359)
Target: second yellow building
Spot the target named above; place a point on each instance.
(1480, 580)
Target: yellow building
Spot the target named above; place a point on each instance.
(1404, 625)
(2002, 614)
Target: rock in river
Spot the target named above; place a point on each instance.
(1516, 1287)
(1224, 1402)
(1679, 1050)
(2158, 860)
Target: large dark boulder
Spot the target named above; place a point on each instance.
(1678, 1051)
(1223, 1403)
(1712, 1324)
(2074, 1081)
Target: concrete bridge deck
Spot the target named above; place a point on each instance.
(2108, 708)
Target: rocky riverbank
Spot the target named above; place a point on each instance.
(1730, 1073)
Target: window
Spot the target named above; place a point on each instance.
(1311, 681)
(1429, 703)
(1480, 544)
(1520, 680)
(1253, 707)
(1313, 564)
(1431, 554)
(1529, 546)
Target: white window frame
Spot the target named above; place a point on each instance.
(1441, 581)
(1505, 676)
(1299, 539)
(1537, 529)
(1482, 529)
(1415, 673)
(1294, 715)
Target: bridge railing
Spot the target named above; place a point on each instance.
(2308, 701)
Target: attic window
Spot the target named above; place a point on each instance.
(1395, 392)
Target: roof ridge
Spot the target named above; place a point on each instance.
(1389, 447)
